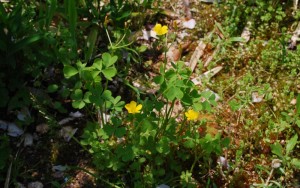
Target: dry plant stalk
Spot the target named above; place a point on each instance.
(197, 54)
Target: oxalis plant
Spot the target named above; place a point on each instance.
(143, 143)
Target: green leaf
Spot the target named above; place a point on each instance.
(98, 64)
(237, 39)
(116, 121)
(128, 153)
(117, 99)
(298, 104)
(27, 41)
(147, 130)
(72, 15)
(142, 48)
(77, 94)
(50, 12)
(94, 74)
(198, 106)
(86, 97)
(291, 144)
(226, 142)
(80, 65)
(69, 71)
(206, 106)
(89, 75)
(125, 14)
(159, 160)
(57, 105)
(109, 72)
(52, 88)
(96, 96)
(120, 132)
(163, 145)
(142, 160)
(65, 92)
(108, 60)
(113, 60)
(158, 79)
(298, 123)
(218, 25)
(107, 95)
(146, 125)
(103, 134)
(173, 92)
(296, 163)
(109, 129)
(234, 105)
(90, 43)
(277, 149)
(77, 85)
(78, 104)
(189, 143)
(106, 57)
(206, 94)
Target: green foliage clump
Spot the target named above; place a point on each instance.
(150, 148)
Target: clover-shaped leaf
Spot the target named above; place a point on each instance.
(109, 72)
(69, 71)
(109, 60)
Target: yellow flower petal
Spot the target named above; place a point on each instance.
(133, 108)
(160, 30)
(164, 30)
(139, 107)
(192, 115)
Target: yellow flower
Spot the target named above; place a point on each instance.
(191, 115)
(160, 30)
(133, 108)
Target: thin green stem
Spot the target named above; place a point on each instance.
(109, 38)
(182, 125)
(195, 161)
(77, 141)
(168, 115)
(166, 119)
(121, 40)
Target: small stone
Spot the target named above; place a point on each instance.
(35, 184)
(190, 24)
(59, 168)
(42, 128)
(28, 140)
(163, 186)
(11, 128)
(65, 120)
(293, 101)
(76, 114)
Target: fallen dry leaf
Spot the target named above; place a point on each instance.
(174, 53)
(197, 54)
(67, 133)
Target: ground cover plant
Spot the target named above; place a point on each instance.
(149, 93)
